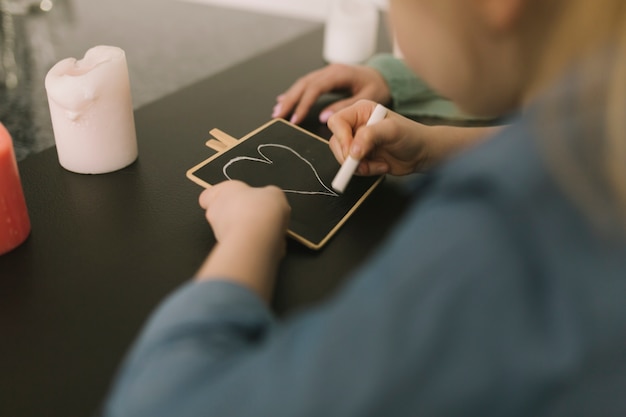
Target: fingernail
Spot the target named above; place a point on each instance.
(325, 116)
(280, 97)
(277, 110)
(294, 119)
(355, 151)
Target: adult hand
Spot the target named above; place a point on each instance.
(362, 82)
(250, 226)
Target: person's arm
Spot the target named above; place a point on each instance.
(412, 333)
(384, 79)
(447, 141)
(396, 145)
(250, 226)
(405, 87)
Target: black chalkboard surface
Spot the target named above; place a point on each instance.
(301, 164)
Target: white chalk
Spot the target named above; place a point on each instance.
(345, 174)
(350, 165)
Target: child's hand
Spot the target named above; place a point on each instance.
(362, 82)
(395, 145)
(234, 209)
(250, 226)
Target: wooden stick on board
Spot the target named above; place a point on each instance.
(216, 145)
(225, 138)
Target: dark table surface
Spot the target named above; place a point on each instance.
(105, 249)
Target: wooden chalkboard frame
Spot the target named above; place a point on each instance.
(225, 145)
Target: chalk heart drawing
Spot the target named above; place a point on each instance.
(281, 166)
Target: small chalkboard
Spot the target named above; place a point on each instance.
(301, 164)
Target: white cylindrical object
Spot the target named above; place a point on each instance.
(351, 31)
(345, 174)
(349, 166)
(92, 112)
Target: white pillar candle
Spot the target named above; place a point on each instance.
(92, 112)
(351, 31)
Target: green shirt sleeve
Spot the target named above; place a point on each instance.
(410, 95)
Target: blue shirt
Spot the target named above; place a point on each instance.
(495, 296)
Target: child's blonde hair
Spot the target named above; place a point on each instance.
(592, 35)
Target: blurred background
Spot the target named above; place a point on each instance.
(169, 44)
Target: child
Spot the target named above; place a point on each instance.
(502, 291)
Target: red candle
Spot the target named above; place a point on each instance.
(14, 221)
